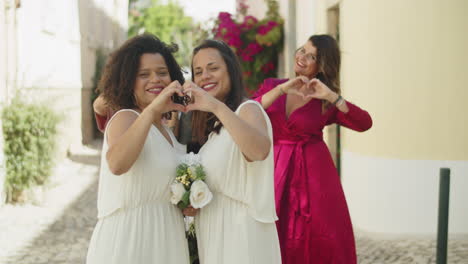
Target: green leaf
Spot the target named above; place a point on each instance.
(185, 201)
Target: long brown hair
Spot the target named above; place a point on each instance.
(119, 76)
(203, 123)
(329, 62)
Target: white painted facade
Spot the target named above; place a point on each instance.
(56, 45)
(2, 97)
(401, 196)
(48, 53)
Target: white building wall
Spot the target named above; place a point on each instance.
(3, 71)
(57, 45)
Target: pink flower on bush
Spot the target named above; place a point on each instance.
(251, 50)
(235, 41)
(254, 41)
(224, 16)
(268, 67)
(264, 29)
(249, 22)
(228, 30)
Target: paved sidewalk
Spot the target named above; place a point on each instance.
(384, 249)
(60, 229)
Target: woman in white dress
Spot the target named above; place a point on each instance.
(238, 225)
(137, 223)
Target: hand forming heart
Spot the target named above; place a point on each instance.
(294, 85)
(315, 89)
(200, 99)
(306, 88)
(184, 100)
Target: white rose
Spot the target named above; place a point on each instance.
(200, 195)
(177, 190)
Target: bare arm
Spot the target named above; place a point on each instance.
(269, 97)
(291, 86)
(248, 129)
(127, 133)
(127, 127)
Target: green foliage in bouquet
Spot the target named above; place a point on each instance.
(186, 175)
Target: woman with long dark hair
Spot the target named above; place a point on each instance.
(314, 225)
(238, 225)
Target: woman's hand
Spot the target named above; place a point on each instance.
(294, 85)
(202, 100)
(163, 102)
(190, 211)
(99, 106)
(317, 89)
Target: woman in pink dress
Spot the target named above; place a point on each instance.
(314, 225)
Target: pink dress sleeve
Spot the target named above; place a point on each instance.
(356, 118)
(101, 120)
(265, 87)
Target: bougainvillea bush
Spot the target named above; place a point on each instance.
(257, 43)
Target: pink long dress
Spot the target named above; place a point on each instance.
(314, 225)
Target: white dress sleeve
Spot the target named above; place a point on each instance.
(259, 182)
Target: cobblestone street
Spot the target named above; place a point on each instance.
(66, 240)
(60, 229)
(374, 249)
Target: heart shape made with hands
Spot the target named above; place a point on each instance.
(310, 89)
(187, 98)
(183, 100)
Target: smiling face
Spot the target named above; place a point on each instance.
(210, 72)
(152, 77)
(306, 61)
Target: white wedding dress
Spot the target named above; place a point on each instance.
(137, 223)
(238, 225)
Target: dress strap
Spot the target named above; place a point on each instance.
(248, 102)
(113, 116)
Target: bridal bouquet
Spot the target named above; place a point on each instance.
(189, 187)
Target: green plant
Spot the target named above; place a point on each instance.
(168, 22)
(29, 132)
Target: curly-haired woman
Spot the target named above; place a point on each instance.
(137, 223)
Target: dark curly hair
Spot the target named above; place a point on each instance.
(204, 123)
(119, 75)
